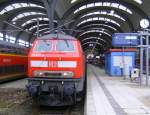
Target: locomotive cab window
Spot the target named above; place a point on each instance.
(43, 46)
(65, 46)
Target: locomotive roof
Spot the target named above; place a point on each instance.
(58, 36)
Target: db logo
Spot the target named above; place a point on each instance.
(52, 63)
(6, 60)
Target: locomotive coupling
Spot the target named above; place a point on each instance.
(33, 89)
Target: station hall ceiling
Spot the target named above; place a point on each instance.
(91, 21)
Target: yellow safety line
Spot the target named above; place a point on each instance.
(12, 55)
(11, 75)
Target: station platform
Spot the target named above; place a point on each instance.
(114, 96)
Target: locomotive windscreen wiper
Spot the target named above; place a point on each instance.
(67, 44)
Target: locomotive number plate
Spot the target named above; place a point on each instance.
(53, 64)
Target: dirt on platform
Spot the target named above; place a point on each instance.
(10, 97)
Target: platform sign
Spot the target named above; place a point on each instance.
(125, 39)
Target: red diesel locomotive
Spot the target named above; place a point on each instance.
(57, 70)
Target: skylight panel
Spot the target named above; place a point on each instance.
(28, 22)
(7, 36)
(115, 5)
(73, 1)
(34, 5)
(100, 18)
(95, 18)
(33, 27)
(90, 19)
(1, 34)
(138, 1)
(90, 5)
(9, 8)
(26, 14)
(18, 5)
(24, 4)
(12, 38)
(92, 43)
(47, 32)
(105, 13)
(108, 4)
(96, 38)
(43, 29)
(1, 38)
(34, 20)
(98, 4)
(103, 25)
(77, 10)
(122, 7)
(129, 11)
(82, 7)
(22, 41)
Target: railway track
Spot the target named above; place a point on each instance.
(29, 108)
(76, 109)
(26, 107)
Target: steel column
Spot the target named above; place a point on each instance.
(37, 33)
(141, 59)
(50, 8)
(147, 61)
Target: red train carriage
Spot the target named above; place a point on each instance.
(13, 62)
(12, 66)
(56, 70)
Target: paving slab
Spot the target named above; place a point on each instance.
(124, 93)
(97, 103)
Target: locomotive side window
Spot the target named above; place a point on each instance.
(65, 45)
(43, 46)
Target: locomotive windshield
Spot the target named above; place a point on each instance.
(43, 46)
(65, 45)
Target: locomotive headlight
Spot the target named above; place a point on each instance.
(38, 74)
(67, 74)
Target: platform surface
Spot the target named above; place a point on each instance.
(21, 84)
(114, 96)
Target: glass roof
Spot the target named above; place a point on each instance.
(108, 4)
(99, 18)
(100, 31)
(111, 13)
(102, 25)
(43, 29)
(89, 38)
(40, 25)
(137, 1)
(92, 43)
(18, 5)
(34, 20)
(72, 1)
(47, 32)
(26, 14)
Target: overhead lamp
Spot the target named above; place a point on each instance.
(73, 1)
(112, 12)
(14, 22)
(144, 23)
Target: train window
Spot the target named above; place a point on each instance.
(43, 46)
(65, 45)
